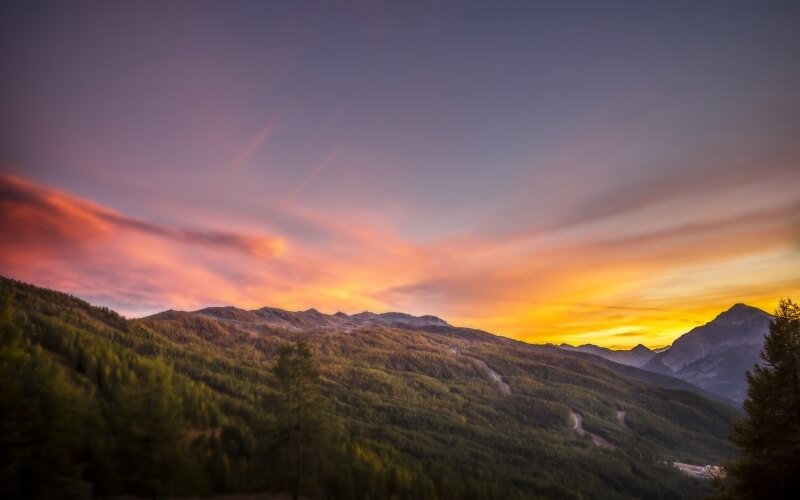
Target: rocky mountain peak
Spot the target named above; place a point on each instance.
(739, 312)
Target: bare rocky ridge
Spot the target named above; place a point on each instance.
(716, 356)
(713, 357)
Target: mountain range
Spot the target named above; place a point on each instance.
(637, 356)
(416, 408)
(713, 357)
(310, 319)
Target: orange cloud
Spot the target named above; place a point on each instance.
(59, 240)
(34, 216)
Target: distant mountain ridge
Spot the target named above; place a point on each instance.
(715, 356)
(637, 356)
(308, 319)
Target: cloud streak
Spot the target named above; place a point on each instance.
(253, 146)
(640, 280)
(32, 212)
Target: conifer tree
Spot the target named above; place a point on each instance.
(299, 413)
(147, 430)
(769, 436)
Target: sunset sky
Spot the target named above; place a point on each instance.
(574, 174)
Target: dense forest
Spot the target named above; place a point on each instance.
(190, 404)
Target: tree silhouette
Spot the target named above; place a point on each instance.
(769, 436)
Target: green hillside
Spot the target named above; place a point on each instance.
(184, 404)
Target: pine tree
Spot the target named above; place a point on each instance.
(769, 437)
(300, 425)
(147, 431)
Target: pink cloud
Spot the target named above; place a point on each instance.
(530, 287)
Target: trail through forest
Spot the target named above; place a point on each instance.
(577, 426)
(503, 387)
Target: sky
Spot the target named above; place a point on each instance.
(548, 171)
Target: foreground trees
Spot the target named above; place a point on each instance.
(769, 437)
(41, 419)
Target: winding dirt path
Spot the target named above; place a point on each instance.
(700, 471)
(621, 418)
(504, 388)
(495, 377)
(577, 426)
(577, 423)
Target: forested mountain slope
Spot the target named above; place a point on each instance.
(183, 403)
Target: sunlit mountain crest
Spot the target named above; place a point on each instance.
(308, 319)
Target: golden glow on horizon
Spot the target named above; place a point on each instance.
(554, 175)
(539, 289)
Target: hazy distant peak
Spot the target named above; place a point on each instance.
(398, 317)
(637, 348)
(637, 356)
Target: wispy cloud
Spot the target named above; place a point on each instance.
(253, 146)
(639, 283)
(315, 171)
(38, 212)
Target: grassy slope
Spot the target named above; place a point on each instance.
(410, 405)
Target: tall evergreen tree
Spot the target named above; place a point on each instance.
(147, 431)
(769, 436)
(299, 414)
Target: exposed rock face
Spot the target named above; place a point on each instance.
(716, 356)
